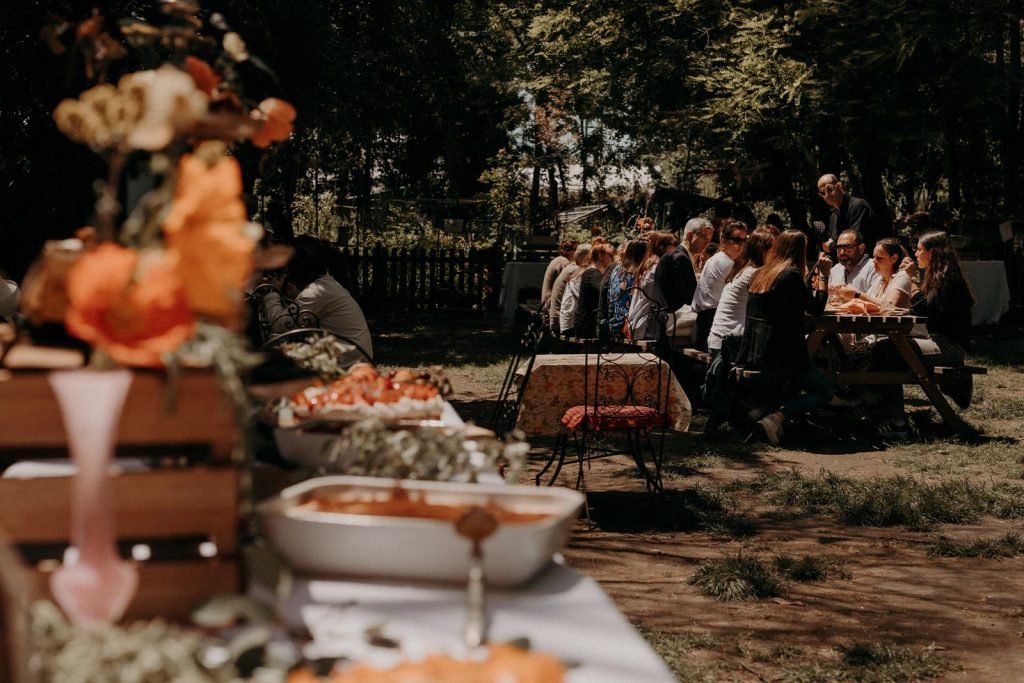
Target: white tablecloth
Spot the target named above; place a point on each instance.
(561, 612)
(518, 275)
(988, 281)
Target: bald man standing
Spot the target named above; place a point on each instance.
(846, 213)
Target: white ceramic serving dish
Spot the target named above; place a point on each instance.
(412, 548)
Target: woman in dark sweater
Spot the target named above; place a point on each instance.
(774, 340)
(946, 299)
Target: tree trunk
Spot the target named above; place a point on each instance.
(584, 170)
(534, 208)
(951, 139)
(1010, 149)
(552, 193)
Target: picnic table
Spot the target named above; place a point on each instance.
(898, 329)
(556, 384)
(561, 612)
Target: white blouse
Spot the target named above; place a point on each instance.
(731, 316)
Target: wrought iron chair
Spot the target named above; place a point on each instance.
(305, 333)
(626, 391)
(506, 411)
(291, 318)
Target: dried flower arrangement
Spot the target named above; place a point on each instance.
(151, 274)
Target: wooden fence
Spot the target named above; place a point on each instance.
(419, 278)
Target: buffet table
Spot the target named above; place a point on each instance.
(991, 289)
(556, 384)
(562, 612)
(518, 275)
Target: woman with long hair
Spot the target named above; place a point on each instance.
(892, 287)
(946, 299)
(728, 325)
(640, 321)
(731, 314)
(602, 255)
(773, 340)
(620, 283)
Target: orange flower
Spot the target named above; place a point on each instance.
(205, 233)
(203, 74)
(133, 313)
(277, 116)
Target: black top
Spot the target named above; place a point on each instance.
(589, 304)
(675, 278)
(774, 335)
(857, 214)
(949, 313)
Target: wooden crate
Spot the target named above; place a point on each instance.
(202, 417)
(196, 504)
(172, 508)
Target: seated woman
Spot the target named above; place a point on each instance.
(731, 315)
(642, 323)
(712, 278)
(773, 340)
(620, 284)
(946, 299)
(892, 287)
(587, 310)
(728, 325)
(319, 293)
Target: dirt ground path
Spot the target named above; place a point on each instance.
(967, 612)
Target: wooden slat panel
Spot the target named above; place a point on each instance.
(202, 414)
(171, 590)
(158, 504)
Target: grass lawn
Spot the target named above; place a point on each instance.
(837, 557)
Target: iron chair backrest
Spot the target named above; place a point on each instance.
(506, 410)
(293, 317)
(304, 333)
(615, 365)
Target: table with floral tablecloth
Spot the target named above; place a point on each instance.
(556, 384)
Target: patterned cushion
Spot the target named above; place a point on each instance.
(612, 417)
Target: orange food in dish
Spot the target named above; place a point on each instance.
(860, 307)
(364, 385)
(402, 504)
(504, 664)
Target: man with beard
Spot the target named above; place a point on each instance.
(857, 269)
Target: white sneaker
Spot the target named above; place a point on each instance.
(772, 429)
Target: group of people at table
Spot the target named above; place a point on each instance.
(750, 297)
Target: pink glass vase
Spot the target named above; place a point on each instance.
(98, 585)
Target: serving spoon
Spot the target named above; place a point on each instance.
(476, 525)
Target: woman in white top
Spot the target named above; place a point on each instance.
(570, 301)
(642, 321)
(731, 314)
(892, 288)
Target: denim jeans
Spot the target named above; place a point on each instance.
(819, 393)
(884, 356)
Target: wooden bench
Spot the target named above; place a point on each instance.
(940, 375)
(698, 355)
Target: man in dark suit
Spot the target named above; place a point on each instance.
(676, 276)
(847, 213)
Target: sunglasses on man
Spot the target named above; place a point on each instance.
(826, 190)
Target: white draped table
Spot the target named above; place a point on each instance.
(988, 282)
(561, 612)
(518, 275)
